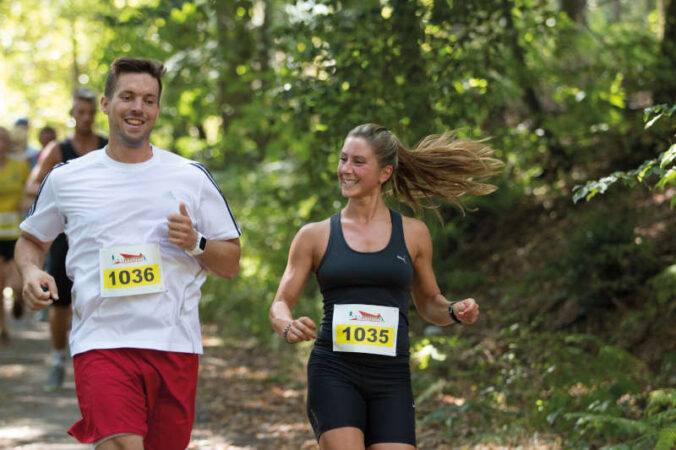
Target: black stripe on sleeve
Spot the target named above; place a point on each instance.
(44, 180)
(211, 178)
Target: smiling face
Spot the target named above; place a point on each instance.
(132, 109)
(358, 170)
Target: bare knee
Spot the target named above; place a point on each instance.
(345, 438)
(391, 446)
(121, 442)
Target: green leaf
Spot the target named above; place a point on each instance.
(644, 170)
(635, 426)
(587, 191)
(668, 156)
(652, 121)
(659, 111)
(666, 439)
(668, 178)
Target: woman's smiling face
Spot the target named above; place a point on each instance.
(358, 169)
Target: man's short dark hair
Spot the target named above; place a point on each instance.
(86, 94)
(127, 64)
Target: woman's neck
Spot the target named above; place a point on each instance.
(365, 209)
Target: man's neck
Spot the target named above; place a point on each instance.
(82, 135)
(128, 154)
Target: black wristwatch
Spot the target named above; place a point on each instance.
(200, 245)
(452, 314)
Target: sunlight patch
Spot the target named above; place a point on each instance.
(24, 432)
(12, 370)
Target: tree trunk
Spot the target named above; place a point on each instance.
(76, 68)
(409, 36)
(617, 10)
(236, 46)
(575, 9)
(557, 157)
(666, 69)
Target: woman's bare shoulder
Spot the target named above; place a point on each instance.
(413, 226)
(313, 236)
(416, 235)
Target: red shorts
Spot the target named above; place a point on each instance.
(150, 393)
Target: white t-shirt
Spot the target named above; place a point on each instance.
(102, 203)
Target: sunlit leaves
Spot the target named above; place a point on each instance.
(657, 167)
(187, 11)
(654, 113)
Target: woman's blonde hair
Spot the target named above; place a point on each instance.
(441, 166)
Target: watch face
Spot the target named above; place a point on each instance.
(203, 243)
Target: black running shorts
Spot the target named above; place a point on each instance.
(55, 264)
(7, 250)
(369, 392)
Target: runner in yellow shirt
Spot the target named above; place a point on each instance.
(13, 176)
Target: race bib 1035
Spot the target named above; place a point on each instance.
(365, 329)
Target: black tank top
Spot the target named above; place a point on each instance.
(381, 278)
(68, 151)
(60, 245)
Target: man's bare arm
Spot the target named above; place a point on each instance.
(50, 157)
(220, 257)
(39, 288)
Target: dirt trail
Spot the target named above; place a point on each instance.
(248, 397)
(239, 405)
(31, 418)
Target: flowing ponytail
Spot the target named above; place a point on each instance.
(441, 166)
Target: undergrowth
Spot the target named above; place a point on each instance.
(521, 383)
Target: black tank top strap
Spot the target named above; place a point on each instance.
(335, 226)
(334, 235)
(67, 150)
(337, 235)
(397, 238)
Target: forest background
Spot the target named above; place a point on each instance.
(576, 344)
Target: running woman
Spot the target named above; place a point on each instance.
(368, 260)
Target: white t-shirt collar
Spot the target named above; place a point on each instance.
(134, 167)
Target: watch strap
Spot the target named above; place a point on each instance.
(452, 314)
(200, 245)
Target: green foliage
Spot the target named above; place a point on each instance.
(665, 285)
(655, 428)
(604, 265)
(521, 380)
(662, 168)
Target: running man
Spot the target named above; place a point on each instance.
(20, 147)
(144, 226)
(47, 134)
(83, 141)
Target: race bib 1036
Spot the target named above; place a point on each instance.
(130, 270)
